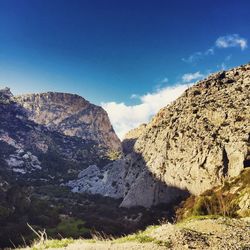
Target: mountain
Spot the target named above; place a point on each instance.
(43, 151)
(71, 115)
(193, 144)
(46, 141)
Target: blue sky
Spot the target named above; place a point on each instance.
(108, 51)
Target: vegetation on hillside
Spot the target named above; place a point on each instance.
(231, 199)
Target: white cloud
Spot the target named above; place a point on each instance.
(126, 117)
(198, 55)
(189, 77)
(228, 58)
(233, 40)
(222, 42)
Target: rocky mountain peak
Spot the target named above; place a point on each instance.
(5, 94)
(71, 115)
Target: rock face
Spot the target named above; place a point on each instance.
(131, 137)
(71, 115)
(204, 136)
(125, 179)
(191, 145)
(38, 158)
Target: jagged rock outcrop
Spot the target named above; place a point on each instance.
(125, 179)
(71, 115)
(193, 144)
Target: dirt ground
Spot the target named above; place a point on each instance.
(200, 234)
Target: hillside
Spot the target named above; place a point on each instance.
(230, 199)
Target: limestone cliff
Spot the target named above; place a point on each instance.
(204, 136)
(191, 145)
(131, 137)
(71, 115)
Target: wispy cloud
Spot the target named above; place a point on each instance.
(198, 55)
(224, 64)
(193, 58)
(222, 42)
(209, 52)
(125, 117)
(134, 96)
(229, 41)
(189, 77)
(164, 80)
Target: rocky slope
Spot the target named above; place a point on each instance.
(71, 115)
(35, 160)
(191, 145)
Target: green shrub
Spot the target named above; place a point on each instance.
(69, 227)
(222, 200)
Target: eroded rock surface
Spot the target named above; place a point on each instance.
(71, 115)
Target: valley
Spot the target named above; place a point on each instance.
(63, 169)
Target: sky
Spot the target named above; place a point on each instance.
(132, 57)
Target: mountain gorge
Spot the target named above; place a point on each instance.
(63, 168)
(46, 140)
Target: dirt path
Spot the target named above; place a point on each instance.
(113, 246)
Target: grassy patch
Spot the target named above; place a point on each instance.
(69, 227)
(51, 244)
(58, 243)
(144, 237)
(198, 217)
